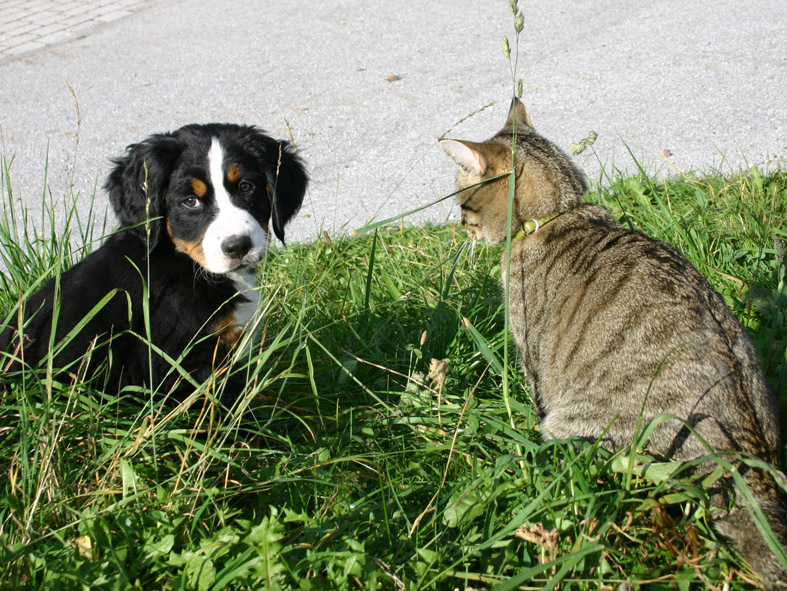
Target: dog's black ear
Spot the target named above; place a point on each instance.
(138, 183)
(289, 184)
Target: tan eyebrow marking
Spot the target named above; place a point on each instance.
(199, 187)
(233, 173)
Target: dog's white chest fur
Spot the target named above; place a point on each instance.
(245, 309)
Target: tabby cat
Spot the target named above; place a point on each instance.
(615, 328)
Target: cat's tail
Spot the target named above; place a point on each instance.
(739, 526)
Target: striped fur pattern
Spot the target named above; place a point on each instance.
(615, 328)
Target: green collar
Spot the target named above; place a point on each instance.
(532, 226)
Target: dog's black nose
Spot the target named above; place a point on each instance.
(236, 247)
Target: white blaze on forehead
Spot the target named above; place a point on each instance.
(230, 220)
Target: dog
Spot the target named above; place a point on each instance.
(165, 300)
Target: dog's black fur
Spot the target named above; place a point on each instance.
(186, 248)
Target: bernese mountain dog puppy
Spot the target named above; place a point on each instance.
(165, 300)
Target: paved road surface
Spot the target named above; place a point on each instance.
(365, 87)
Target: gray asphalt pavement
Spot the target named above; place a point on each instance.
(364, 88)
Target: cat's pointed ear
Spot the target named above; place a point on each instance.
(518, 113)
(466, 154)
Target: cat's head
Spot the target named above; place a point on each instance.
(546, 181)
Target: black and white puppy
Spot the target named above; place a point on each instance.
(195, 207)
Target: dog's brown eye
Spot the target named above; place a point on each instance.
(192, 202)
(245, 187)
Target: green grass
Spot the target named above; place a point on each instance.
(348, 466)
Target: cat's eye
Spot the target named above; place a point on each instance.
(245, 187)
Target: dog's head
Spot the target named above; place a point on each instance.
(212, 191)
